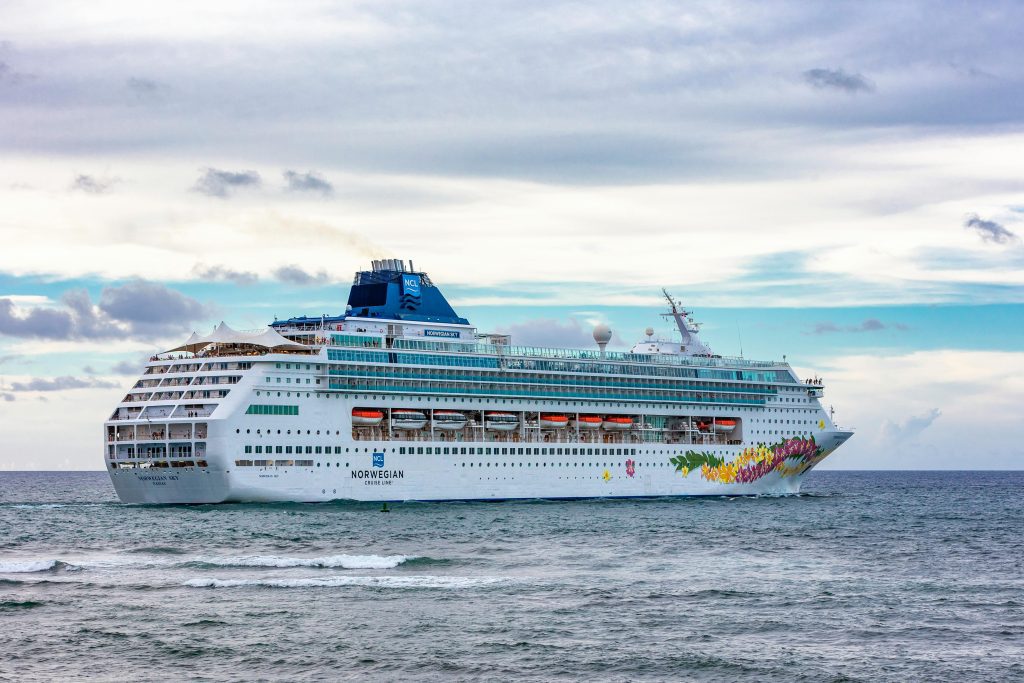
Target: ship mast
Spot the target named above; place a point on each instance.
(679, 316)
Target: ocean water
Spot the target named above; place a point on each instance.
(868, 576)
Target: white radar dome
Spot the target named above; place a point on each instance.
(602, 333)
(649, 331)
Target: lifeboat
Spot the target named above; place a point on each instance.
(403, 418)
(552, 421)
(449, 419)
(501, 422)
(724, 425)
(366, 417)
(587, 421)
(704, 426)
(617, 422)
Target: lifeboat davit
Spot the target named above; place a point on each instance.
(449, 419)
(366, 417)
(500, 422)
(402, 418)
(617, 422)
(724, 425)
(551, 421)
(587, 421)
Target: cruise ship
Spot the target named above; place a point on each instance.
(401, 399)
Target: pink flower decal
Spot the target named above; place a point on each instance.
(630, 468)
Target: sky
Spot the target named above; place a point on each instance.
(839, 184)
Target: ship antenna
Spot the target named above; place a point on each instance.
(678, 316)
(740, 335)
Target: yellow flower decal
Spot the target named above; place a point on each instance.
(821, 424)
(607, 475)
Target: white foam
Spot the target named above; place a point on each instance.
(332, 561)
(37, 506)
(443, 582)
(27, 566)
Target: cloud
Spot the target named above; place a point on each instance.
(837, 79)
(62, 383)
(243, 278)
(93, 185)
(307, 182)
(297, 276)
(217, 183)
(143, 87)
(9, 75)
(127, 367)
(138, 309)
(989, 231)
(150, 306)
(7, 397)
(9, 357)
(869, 325)
(911, 427)
(549, 332)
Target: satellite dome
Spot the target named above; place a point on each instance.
(649, 331)
(602, 333)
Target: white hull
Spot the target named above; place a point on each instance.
(405, 477)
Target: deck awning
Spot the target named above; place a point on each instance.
(222, 334)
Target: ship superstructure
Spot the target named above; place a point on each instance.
(399, 398)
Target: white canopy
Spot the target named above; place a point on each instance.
(222, 334)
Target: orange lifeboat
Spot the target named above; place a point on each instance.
(588, 421)
(617, 422)
(552, 421)
(724, 425)
(366, 417)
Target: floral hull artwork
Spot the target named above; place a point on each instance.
(788, 457)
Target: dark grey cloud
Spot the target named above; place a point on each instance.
(62, 383)
(869, 325)
(242, 278)
(150, 308)
(9, 76)
(143, 88)
(596, 96)
(990, 231)
(42, 323)
(570, 333)
(93, 185)
(295, 275)
(217, 183)
(911, 427)
(140, 310)
(837, 79)
(307, 182)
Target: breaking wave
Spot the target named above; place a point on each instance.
(399, 582)
(30, 566)
(329, 562)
